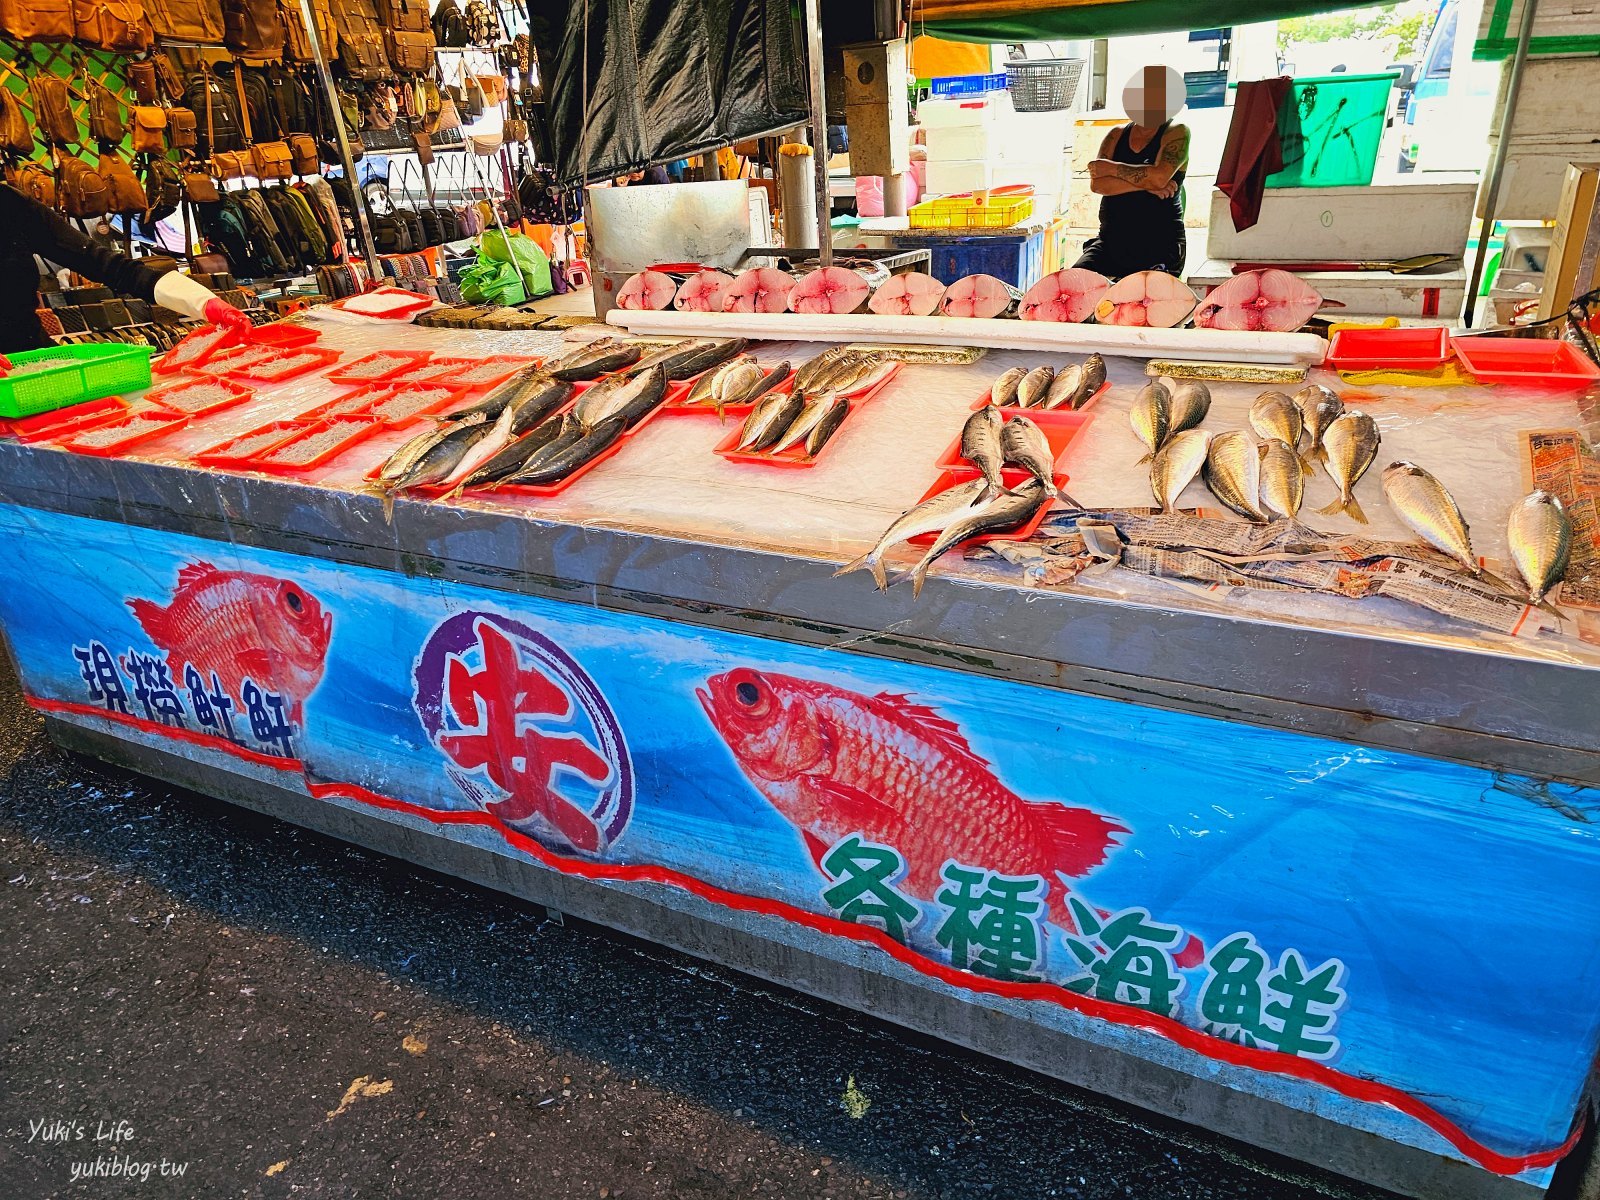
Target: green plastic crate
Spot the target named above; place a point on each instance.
(96, 370)
(1330, 127)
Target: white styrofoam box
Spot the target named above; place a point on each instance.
(1049, 178)
(1007, 135)
(1558, 111)
(1365, 293)
(1347, 224)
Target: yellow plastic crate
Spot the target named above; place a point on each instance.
(961, 212)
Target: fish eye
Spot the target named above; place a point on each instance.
(292, 599)
(747, 694)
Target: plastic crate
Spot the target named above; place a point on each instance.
(967, 85)
(1329, 127)
(1043, 84)
(1014, 258)
(1002, 210)
(96, 371)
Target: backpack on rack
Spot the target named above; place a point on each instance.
(410, 53)
(223, 228)
(449, 26)
(289, 107)
(294, 241)
(16, 134)
(257, 113)
(361, 40)
(296, 42)
(37, 20)
(186, 20)
(163, 185)
(218, 123)
(251, 28)
(299, 211)
(325, 209)
(277, 252)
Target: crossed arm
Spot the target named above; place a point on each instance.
(1110, 178)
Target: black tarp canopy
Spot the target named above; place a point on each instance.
(663, 79)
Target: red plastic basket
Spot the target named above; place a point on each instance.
(1011, 478)
(379, 365)
(182, 397)
(561, 485)
(286, 365)
(353, 403)
(235, 359)
(406, 304)
(795, 456)
(1531, 362)
(315, 444)
(184, 357)
(113, 438)
(400, 405)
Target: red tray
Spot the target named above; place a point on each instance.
(237, 451)
(353, 403)
(284, 335)
(320, 440)
(47, 426)
(168, 363)
(413, 303)
(795, 456)
(101, 440)
(398, 361)
(234, 359)
(555, 489)
(169, 397)
(1011, 477)
(1060, 426)
(441, 398)
(1532, 362)
(446, 371)
(305, 360)
(1381, 349)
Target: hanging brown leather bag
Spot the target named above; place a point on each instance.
(251, 28)
(34, 181)
(37, 20)
(52, 110)
(268, 161)
(82, 191)
(182, 129)
(16, 135)
(119, 26)
(296, 42)
(124, 193)
(186, 20)
(147, 128)
(105, 113)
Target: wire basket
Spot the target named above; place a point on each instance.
(1043, 84)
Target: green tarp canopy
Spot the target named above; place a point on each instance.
(1054, 20)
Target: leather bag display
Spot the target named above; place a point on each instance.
(52, 110)
(182, 129)
(82, 191)
(147, 128)
(16, 135)
(186, 20)
(360, 40)
(251, 28)
(296, 43)
(410, 53)
(105, 113)
(37, 20)
(124, 193)
(119, 26)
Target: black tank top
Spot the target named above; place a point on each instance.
(1142, 218)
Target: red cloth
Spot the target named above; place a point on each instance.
(1253, 151)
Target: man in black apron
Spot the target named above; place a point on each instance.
(1139, 176)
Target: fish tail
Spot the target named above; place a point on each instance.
(1062, 495)
(1354, 509)
(1145, 459)
(873, 562)
(1305, 464)
(388, 506)
(151, 616)
(1545, 606)
(919, 574)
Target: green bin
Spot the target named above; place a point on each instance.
(75, 374)
(1330, 127)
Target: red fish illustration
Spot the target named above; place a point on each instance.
(241, 626)
(835, 762)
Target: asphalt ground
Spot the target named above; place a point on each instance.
(184, 984)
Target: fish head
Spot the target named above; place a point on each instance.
(295, 627)
(774, 733)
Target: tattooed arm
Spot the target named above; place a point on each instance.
(1109, 178)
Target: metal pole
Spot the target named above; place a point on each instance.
(819, 134)
(1502, 146)
(331, 94)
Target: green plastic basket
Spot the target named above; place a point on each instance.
(87, 372)
(1330, 127)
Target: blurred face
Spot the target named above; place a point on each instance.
(1154, 95)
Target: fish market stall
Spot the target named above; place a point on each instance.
(1285, 829)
